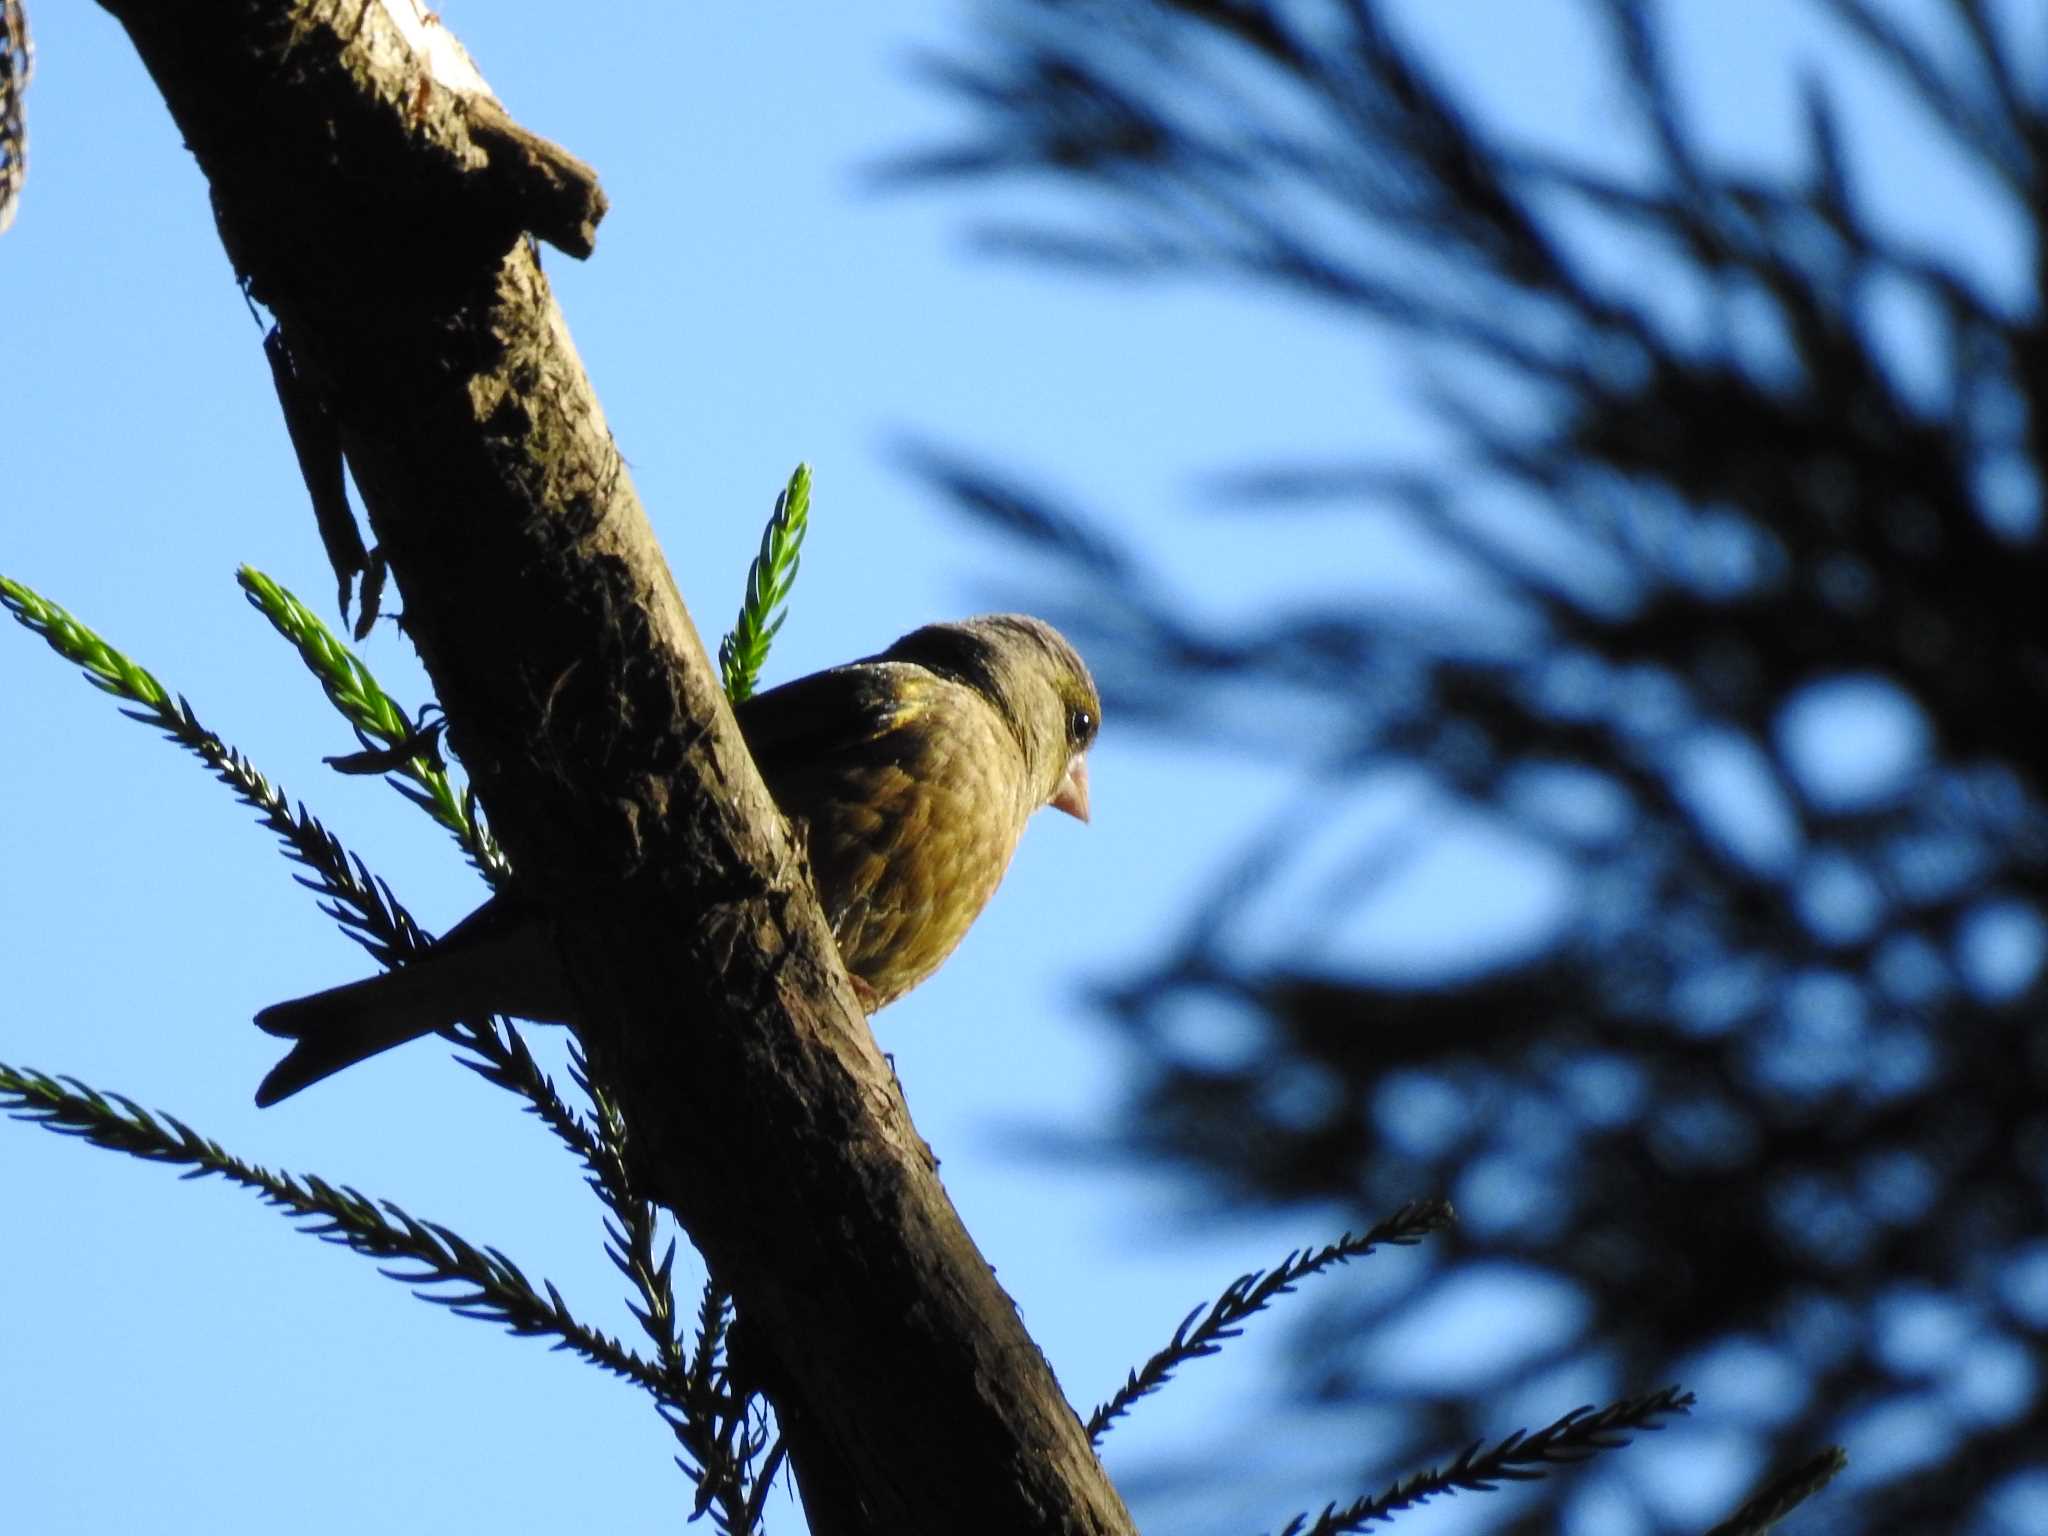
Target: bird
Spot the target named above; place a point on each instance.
(908, 775)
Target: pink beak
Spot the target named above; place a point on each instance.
(1072, 795)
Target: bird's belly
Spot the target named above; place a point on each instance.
(905, 857)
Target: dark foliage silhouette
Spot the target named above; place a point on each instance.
(1773, 1094)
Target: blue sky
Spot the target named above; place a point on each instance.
(177, 1354)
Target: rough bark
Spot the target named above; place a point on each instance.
(377, 201)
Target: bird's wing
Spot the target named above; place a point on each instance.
(842, 714)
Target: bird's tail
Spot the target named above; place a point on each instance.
(500, 973)
(344, 1025)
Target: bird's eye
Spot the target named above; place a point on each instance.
(1081, 726)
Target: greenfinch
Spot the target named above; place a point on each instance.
(908, 775)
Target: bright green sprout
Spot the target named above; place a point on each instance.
(744, 650)
(374, 713)
(105, 668)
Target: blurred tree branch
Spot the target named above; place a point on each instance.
(1775, 1077)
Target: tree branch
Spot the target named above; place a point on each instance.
(370, 194)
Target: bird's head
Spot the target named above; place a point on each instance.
(1039, 686)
